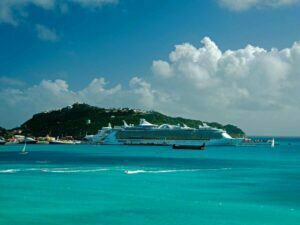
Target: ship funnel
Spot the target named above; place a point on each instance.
(144, 122)
(186, 127)
(125, 124)
(205, 125)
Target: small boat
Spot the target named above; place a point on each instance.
(189, 147)
(273, 143)
(62, 142)
(2, 141)
(24, 152)
(68, 140)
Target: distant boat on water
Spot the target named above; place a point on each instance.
(273, 143)
(61, 142)
(258, 142)
(2, 141)
(24, 152)
(189, 147)
(69, 141)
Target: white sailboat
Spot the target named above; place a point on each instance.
(273, 143)
(24, 152)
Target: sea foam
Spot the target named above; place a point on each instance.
(171, 171)
(71, 170)
(9, 171)
(54, 170)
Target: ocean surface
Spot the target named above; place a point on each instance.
(144, 185)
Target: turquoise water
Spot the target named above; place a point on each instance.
(87, 185)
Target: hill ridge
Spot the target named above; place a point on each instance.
(73, 120)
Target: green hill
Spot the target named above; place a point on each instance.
(3, 132)
(72, 121)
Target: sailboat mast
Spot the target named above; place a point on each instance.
(273, 143)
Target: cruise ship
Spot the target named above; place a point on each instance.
(151, 134)
(100, 136)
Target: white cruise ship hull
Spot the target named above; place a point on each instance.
(219, 142)
(150, 134)
(111, 139)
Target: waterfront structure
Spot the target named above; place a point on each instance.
(151, 134)
(2, 141)
(100, 136)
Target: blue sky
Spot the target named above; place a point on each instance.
(120, 40)
(79, 41)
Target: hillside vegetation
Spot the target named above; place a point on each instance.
(73, 121)
(4, 132)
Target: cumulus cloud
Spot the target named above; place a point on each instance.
(12, 10)
(241, 5)
(46, 34)
(230, 84)
(162, 68)
(143, 92)
(93, 3)
(248, 78)
(8, 82)
(21, 103)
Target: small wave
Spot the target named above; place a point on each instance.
(18, 170)
(135, 171)
(9, 171)
(157, 171)
(171, 171)
(32, 169)
(68, 170)
(53, 170)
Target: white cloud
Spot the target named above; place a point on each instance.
(162, 68)
(7, 81)
(251, 77)
(241, 5)
(22, 103)
(96, 93)
(252, 87)
(46, 34)
(12, 10)
(142, 92)
(93, 3)
(224, 86)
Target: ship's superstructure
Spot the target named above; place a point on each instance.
(151, 134)
(100, 136)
